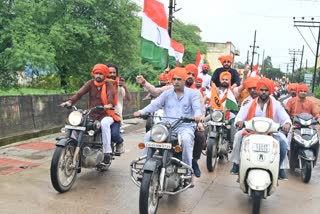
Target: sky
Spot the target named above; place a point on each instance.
(237, 20)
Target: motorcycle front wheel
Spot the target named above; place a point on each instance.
(149, 197)
(306, 171)
(212, 154)
(256, 201)
(62, 172)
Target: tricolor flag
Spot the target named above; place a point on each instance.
(199, 61)
(255, 71)
(155, 40)
(176, 52)
(228, 102)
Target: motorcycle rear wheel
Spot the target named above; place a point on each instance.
(149, 198)
(62, 174)
(306, 171)
(256, 201)
(212, 154)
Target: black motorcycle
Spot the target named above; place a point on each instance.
(73, 154)
(219, 140)
(161, 171)
(304, 145)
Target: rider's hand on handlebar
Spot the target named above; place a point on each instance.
(108, 106)
(286, 127)
(239, 124)
(198, 119)
(137, 114)
(64, 104)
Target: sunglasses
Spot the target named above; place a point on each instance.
(176, 79)
(226, 62)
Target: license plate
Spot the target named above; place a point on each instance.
(158, 145)
(261, 147)
(306, 131)
(181, 170)
(213, 123)
(80, 128)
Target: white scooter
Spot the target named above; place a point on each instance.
(259, 160)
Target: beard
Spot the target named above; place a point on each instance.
(225, 85)
(205, 71)
(112, 77)
(226, 67)
(263, 97)
(189, 82)
(98, 79)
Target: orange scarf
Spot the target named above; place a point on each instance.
(252, 109)
(104, 99)
(215, 101)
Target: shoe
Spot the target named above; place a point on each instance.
(282, 175)
(235, 169)
(107, 158)
(196, 168)
(119, 148)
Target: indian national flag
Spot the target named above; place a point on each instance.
(228, 102)
(176, 52)
(199, 62)
(231, 102)
(155, 40)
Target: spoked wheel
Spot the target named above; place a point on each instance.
(62, 172)
(306, 171)
(212, 154)
(256, 201)
(149, 197)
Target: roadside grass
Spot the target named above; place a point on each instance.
(29, 91)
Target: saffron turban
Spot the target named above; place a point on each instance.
(180, 72)
(251, 82)
(100, 68)
(205, 66)
(302, 87)
(199, 80)
(222, 59)
(192, 68)
(225, 74)
(163, 77)
(267, 83)
(293, 87)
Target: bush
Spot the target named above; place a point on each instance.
(317, 92)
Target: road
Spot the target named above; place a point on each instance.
(27, 188)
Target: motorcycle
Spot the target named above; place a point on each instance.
(161, 171)
(71, 155)
(304, 145)
(218, 137)
(259, 160)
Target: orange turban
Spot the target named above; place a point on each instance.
(199, 80)
(163, 77)
(267, 83)
(225, 58)
(181, 72)
(293, 87)
(100, 68)
(225, 74)
(302, 87)
(192, 68)
(205, 66)
(251, 82)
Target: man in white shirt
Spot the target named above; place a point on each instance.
(206, 78)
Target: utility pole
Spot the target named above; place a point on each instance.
(262, 61)
(253, 48)
(170, 18)
(294, 59)
(247, 57)
(310, 24)
(300, 63)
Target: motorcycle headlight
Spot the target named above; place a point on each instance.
(217, 116)
(75, 118)
(261, 126)
(159, 133)
(305, 122)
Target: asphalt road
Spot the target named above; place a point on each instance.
(29, 190)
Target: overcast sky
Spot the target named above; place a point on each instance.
(236, 21)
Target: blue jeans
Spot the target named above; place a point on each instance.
(283, 147)
(115, 133)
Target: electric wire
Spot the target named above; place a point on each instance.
(313, 35)
(306, 41)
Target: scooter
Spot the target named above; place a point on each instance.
(304, 145)
(259, 160)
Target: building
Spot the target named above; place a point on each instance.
(215, 50)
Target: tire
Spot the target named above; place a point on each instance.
(292, 162)
(62, 175)
(306, 171)
(212, 154)
(256, 201)
(148, 203)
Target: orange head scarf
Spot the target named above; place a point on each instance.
(222, 59)
(302, 87)
(292, 87)
(267, 83)
(100, 68)
(199, 80)
(205, 66)
(163, 77)
(251, 82)
(181, 72)
(225, 74)
(192, 68)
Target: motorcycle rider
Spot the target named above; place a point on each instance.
(292, 89)
(251, 86)
(178, 102)
(262, 106)
(100, 93)
(226, 62)
(121, 93)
